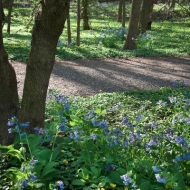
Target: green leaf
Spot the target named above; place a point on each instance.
(181, 184)
(42, 155)
(49, 168)
(115, 176)
(177, 177)
(146, 186)
(78, 182)
(95, 171)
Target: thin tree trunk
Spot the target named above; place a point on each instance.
(123, 14)
(9, 102)
(9, 16)
(78, 22)
(133, 25)
(49, 23)
(85, 18)
(119, 18)
(69, 28)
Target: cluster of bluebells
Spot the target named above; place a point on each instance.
(15, 126)
(128, 181)
(28, 168)
(178, 84)
(63, 100)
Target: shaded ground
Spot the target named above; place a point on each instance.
(88, 77)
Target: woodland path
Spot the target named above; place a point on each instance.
(89, 77)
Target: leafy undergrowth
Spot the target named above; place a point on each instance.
(128, 140)
(105, 39)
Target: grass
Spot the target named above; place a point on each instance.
(122, 140)
(168, 38)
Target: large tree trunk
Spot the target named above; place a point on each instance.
(9, 102)
(133, 25)
(49, 23)
(85, 18)
(146, 15)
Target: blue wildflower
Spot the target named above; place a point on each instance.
(178, 158)
(24, 125)
(186, 156)
(156, 169)
(126, 179)
(93, 136)
(139, 118)
(10, 130)
(60, 184)
(159, 179)
(90, 114)
(33, 177)
(62, 127)
(23, 134)
(66, 107)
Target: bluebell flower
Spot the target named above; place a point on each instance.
(126, 179)
(33, 177)
(152, 142)
(159, 179)
(181, 140)
(24, 184)
(178, 158)
(110, 167)
(60, 184)
(61, 99)
(186, 156)
(90, 114)
(24, 125)
(23, 134)
(139, 118)
(125, 142)
(62, 127)
(172, 99)
(10, 130)
(93, 136)
(156, 169)
(13, 121)
(94, 122)
(66, 107)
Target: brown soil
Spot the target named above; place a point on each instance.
(89, 77)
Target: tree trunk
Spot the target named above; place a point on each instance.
(119, 18)
(49, 23)
(9, 102)
(146, 15)
(69, 28)
(78, 22)
(85, 18)
(9, 16)
(133, 25)
(172, 4)
(123, 14)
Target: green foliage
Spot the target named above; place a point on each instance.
(105, 39)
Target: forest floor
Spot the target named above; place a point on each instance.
(89, 77)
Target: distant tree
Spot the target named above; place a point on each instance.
(133, 25)
(146, 15)
(119, 18)
(171, 4)
(8, 4)
(84, 14)
(123, 14)
(49, 23)
(78, 22)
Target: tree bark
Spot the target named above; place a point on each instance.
(119, 18)
(9, 16)
(123, 14)
(78, 22)
(85, 18)
(146, 15)
(9, 102)
(69, 29)
(49, 23)
(133, 25)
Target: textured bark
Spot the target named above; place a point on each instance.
(85, 18)
(49, 23)
(146, 15)
(9, 102)
(119, 18)
(69, 28)
(123, 14)
(133, 25)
